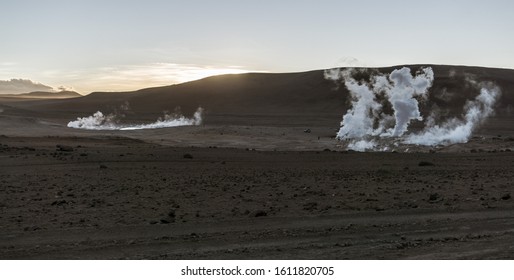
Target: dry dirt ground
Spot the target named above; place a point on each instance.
(250, 183)
(248, 192)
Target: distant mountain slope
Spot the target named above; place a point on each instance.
(43, 95)
(47, 94)
(306, 93)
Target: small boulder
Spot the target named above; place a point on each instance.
(434, 197)
(64, 148)
(172, 214)
(259, 213)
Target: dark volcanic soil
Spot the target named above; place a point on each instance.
(113, 197)
(255, 185)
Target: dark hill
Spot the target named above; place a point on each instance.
(305, 93)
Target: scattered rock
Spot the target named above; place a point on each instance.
(102, 166)
(410, 204)
(172, 214)
(189, 156)
(64, 148)
(164, 221)
(59, 202)
(506, 196)
(96, 202)
(33, 228)
(310, 206)
(425, 163)
(434, 197)
(259, 213)
(308, 130)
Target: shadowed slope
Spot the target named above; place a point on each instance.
(306, 93)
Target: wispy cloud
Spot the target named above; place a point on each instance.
(14, 86)
(7, 63)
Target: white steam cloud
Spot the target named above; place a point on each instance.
(99, 121)
(383, 106)
(399, 88)
(455, 130)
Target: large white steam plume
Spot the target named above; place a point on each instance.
(99, 121)
(401, 92)
(357, 122)
(366, 125)
(455, 130)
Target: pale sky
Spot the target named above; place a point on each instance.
(108, 45)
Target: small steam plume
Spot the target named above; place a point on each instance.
(367, 125)
(64, 88)
(99, 121)
(170, 121)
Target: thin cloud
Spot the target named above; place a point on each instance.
(15, 86)
(7, 63)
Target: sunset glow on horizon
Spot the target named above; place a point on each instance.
(134, 77)
(128, 45)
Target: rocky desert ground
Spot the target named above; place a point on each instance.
(261, 181)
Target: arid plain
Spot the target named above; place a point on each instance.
(262, 177)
